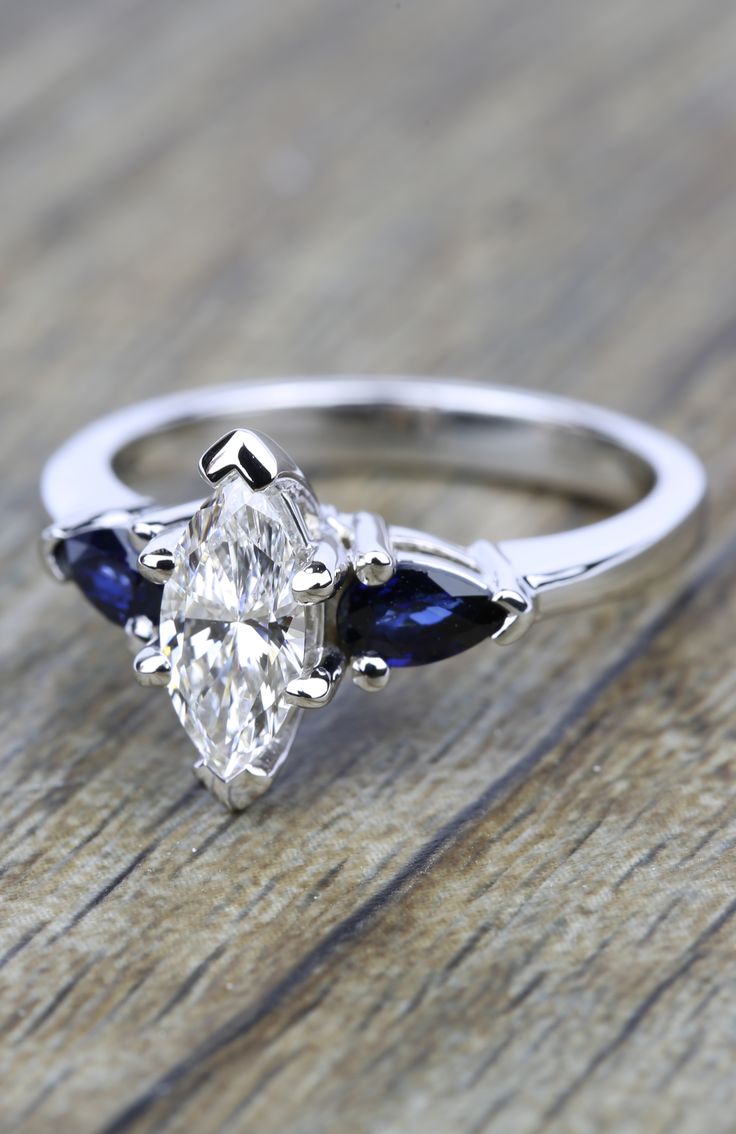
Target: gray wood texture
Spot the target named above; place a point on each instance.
(501, 897)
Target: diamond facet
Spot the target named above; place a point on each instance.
(232, 630)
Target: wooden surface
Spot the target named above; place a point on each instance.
(500, 898)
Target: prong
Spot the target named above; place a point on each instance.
(156, 564)
(321, 577)
(156, 561)
(151, 666)
(142, 532)
(51, 538)
(140, 630)
(238, 793)
(255, 457)
(241, 789)
(506, 590)
(374, 567)
(313, 583)
(518, 618)
(370, 673)
(316, 689)
(372, 554)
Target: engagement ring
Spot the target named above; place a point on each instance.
(252, 605)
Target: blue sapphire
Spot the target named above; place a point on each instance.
(421, 615)
(105, 568)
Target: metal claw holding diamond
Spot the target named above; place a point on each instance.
(152, 666)
(255, 604)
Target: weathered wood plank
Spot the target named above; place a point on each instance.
(503, 898)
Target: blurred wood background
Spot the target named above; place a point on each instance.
(500, 898)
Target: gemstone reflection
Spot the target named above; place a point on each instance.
(234, 634)
(422, 615)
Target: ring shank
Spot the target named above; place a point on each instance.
(531, 438)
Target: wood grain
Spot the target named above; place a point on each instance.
(501, 899)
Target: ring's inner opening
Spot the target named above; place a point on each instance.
(419, 467)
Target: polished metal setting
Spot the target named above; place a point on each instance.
(370, 672)
(655, 484)
(509, 591)
(372, 556)
(258, 459)
(156, 561)
(51, 539)
(317, 686)
(321, 577)
(140, 629)
(152, 667)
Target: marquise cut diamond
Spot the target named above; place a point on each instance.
(233, 632)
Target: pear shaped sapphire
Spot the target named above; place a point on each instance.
(105, 568)
(422, 615)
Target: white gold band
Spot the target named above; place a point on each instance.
(533, 438)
